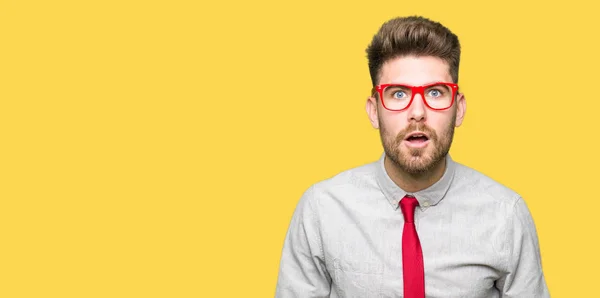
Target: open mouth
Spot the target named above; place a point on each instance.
(417, 139)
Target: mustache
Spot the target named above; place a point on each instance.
(413, 127)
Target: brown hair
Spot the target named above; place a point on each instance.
(416, 36)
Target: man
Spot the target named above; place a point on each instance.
(415, 223)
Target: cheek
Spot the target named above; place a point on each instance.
(440, 119)
(391, 125)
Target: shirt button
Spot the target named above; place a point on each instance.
(426, 204)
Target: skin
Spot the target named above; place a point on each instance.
(414, 169)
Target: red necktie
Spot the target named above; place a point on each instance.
(412, 255)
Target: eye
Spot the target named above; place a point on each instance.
(399, 94)
(435, 93)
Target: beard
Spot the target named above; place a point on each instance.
(417, 161)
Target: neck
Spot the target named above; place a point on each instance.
(410, 182)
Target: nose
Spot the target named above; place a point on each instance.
(417, 109)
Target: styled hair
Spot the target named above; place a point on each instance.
(413, 36)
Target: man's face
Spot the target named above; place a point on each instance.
(416, 155)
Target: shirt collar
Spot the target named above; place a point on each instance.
(428, 197)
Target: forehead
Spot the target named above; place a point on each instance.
(413, 70)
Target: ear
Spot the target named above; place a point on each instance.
(461, 108)
(371, 108)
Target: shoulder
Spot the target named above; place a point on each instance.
(354, 177)
(344, 185)
(481, 187)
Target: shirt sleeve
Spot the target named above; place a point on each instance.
(524, 276)
(302, 270)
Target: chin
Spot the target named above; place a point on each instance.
(416, 161)
(417, 165)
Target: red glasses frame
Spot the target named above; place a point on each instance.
(416, 90)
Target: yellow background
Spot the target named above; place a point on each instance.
(159, 148)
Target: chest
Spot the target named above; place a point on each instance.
(463, 256)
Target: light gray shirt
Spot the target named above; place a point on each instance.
(345, 238)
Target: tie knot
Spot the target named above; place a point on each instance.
(408, 205)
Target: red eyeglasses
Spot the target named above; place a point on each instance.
(398, 97)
